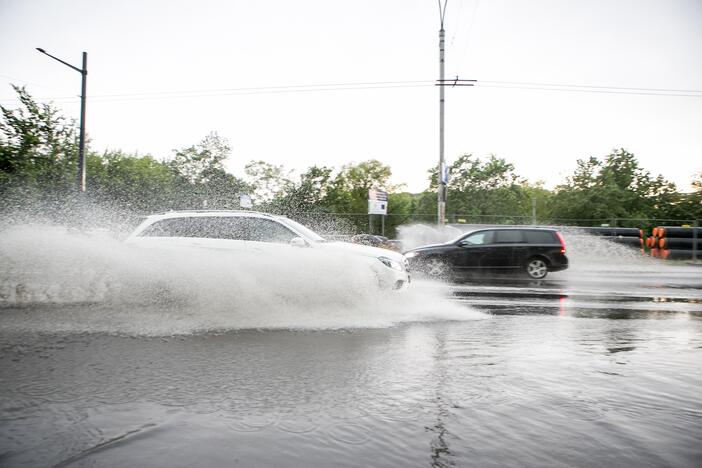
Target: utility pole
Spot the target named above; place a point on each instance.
(81, 139)
(441, 186)
(533, 210)
(442, 173)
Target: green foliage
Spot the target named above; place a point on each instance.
(38, 151)
(482, 189)
(615, 187)
(268, 181)
(348, 192)
(196, 163)
(129, 181)
(307, 195)
(200, 181)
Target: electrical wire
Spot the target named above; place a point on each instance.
(328, 87)
(624, 88)
(159, 95)
(599, 90)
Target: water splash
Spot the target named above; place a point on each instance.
(54, 279)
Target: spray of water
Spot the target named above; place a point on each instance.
(54, 279)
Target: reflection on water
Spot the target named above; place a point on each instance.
(512, 390)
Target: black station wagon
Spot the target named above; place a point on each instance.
(534, 251)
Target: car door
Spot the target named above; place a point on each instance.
(218, 232)
(472, 251)
(509, 245)
(268, 236)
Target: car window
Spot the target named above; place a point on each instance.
(219, 227)
(479, 238)
(161, 228)
(508, 237)
(540, 237)
(266, 230)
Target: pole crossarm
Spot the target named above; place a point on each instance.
(455, 82)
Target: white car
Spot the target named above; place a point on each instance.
(260, 232)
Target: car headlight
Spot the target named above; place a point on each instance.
(391, 263)
(411, 254)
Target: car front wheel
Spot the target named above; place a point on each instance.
(537, 268)
(435, 268)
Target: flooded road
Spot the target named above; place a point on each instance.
(535, 379)
(599, 365)
(507, 390)
(637, 291)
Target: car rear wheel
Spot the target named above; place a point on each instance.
(537, 268)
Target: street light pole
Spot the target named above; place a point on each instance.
(441, 186)
(81, 139)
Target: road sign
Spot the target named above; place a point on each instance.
(377, 202)
(245, 201)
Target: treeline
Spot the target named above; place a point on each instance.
(38, 167)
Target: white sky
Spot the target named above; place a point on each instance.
(140, 48)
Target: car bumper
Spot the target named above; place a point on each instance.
(392, 280)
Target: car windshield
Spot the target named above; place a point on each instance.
(308, 233)
(460, 237)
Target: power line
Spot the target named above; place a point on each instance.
(563, 85)
(247, 91)
(604, 90)
(351, 86)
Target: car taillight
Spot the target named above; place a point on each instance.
(560, 238)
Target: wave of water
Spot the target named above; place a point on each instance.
(56, 280)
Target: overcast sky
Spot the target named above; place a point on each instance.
(164, 73)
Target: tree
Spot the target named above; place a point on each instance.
(201, 181)
(482, 189)
(196, 162)
(614, 187)
(267, 181)
(38, 151)
(137, 183)
(349, 189)
(308, 194)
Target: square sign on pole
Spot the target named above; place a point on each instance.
(377, 202)
(245, 201)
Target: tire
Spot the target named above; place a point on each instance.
(537, 268)
(435, 268)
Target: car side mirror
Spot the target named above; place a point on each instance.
(298, 242)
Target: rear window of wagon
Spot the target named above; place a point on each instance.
(541, 237)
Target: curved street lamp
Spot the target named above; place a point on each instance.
(81, 142)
